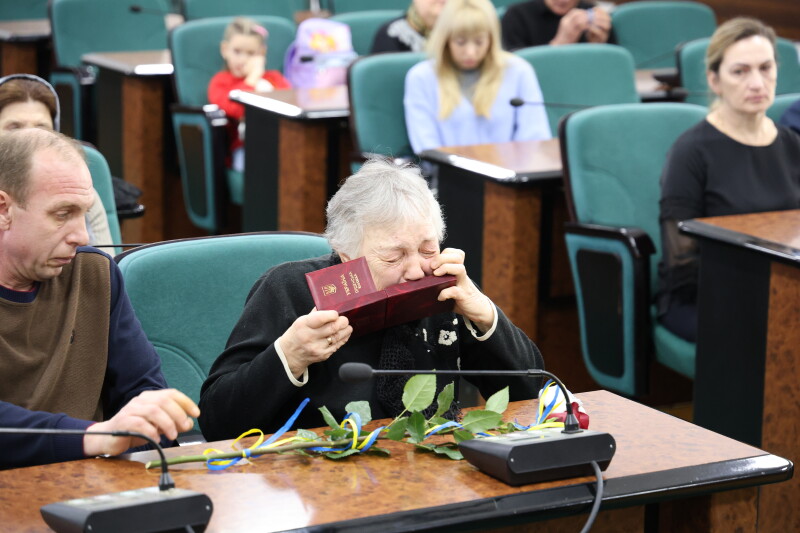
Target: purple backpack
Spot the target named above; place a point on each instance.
(320, 54)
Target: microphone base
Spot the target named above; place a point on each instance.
(543, 455)
(148, 509)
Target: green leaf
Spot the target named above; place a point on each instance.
(306, 434)
(444, 399)
(416, 427)
(360, 407)
(340, 455)
(418, 392)
(460, 435)
(477, 421)
(328, 417)
(397, 431)
(452, 453)
(380, 450)
(498, 402)
(338, 433)
(438, 420)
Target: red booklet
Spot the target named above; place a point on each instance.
(348, 289)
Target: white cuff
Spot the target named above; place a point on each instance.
(474, 331)
(282, 357)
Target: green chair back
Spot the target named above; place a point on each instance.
(29, 9)
(85, 26)
(350, 6)
(692, 70)
(199, 9)
(581, 75)
(101, 180)
(613, 157)
(364, 25)
(196, 57)
(781, 104)
(652, 30)
(188, 294)
(377, 116)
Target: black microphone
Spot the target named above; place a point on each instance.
(524, 456)
(167, 508)
(519, 102)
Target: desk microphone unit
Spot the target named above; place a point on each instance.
(161, 508)
(522, 456)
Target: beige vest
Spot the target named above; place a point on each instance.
(53, 351)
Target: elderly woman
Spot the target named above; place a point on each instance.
(28, 101)
(408, 33)
(735, 161)
(279, 352)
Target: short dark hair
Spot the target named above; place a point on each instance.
(16, 157)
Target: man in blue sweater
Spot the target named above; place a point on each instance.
(72, 353)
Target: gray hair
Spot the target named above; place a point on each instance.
(381, 194)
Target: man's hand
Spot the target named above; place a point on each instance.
(600, 26)
(153, 413)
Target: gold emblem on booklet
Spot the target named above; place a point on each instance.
(329, 289)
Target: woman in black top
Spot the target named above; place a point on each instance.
(735, 161)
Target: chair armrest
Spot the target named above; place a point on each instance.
(84, 75)
(638, 242)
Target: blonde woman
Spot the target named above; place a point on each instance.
(461, 95)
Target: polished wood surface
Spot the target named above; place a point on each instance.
(138, 63)
(778, 227)
(20, 45)
(755, 258)
(24, 30)
(655, 453)
(514, 161)
(300, 103)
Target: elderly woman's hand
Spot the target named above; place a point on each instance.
(313, 338)
(470, 302)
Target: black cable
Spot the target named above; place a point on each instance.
(598, 497)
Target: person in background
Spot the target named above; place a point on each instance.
(28, 101)
(284, 350)
(462, 94)
(244, 49)
(538, 22)
(74, 355)
(735, 161)
(408, 33)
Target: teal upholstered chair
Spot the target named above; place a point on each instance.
(199, 128)
(652, 30)
(188, 294)
(613, 156)
(692, 70)
(101, 180)
(781, 104)
(364, 25)
(377, 116)
(574, 76)
(349, 6)
(85, 26)
(29, 9)
(198, 9)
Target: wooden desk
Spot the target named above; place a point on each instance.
(134, 133)
(297, 150)
(491, 195)
(658, 458)
(747, 382)
(20, 42)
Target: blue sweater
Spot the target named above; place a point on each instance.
(133, 367)
(464, 126)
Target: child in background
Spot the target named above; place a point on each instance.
(244, 49)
